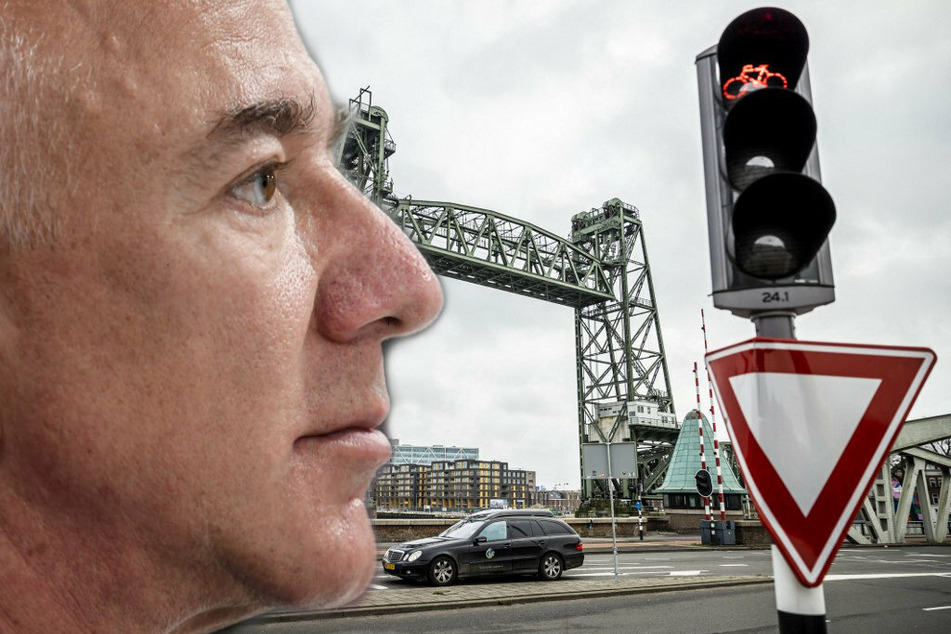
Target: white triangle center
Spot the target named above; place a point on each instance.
(803, 423)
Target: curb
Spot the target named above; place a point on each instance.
(510, 599)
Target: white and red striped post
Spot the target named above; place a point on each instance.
(713, 423)
(703, 459)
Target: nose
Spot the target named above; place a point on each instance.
(373, 281)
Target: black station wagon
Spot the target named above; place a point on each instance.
(490, 543)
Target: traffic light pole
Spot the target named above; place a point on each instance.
(768, 214)
(800, 609)
(777, 325)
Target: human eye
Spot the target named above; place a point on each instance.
(259, 188)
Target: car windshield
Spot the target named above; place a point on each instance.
(462, 529)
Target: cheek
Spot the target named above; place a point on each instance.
(258, 314)
(208, 335)
(291, 292)
(248, 301)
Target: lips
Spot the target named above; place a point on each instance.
(343, 441)
(351, 456)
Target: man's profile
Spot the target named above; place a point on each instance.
(192, 305)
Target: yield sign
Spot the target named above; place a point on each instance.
(811, 424)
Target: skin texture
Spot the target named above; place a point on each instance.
(191, 370)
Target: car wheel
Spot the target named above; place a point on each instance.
(442, 572)
(551, 567)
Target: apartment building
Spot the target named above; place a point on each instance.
(427, 454)
(454, 485)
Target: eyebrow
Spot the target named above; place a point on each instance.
(277, 117)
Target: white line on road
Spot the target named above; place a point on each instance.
(609, 574)
(629, 567)
(734, 565)
(374, 586)
(686, 573)
(895, 575)
(940, 607)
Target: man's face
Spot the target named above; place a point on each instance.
(200, 351)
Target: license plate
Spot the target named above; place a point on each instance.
(389, 566)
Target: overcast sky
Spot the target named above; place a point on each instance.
(539, 109)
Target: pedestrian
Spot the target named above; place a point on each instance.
(192, 306)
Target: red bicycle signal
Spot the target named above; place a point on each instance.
(753, 78)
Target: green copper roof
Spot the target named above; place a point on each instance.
(686, 460)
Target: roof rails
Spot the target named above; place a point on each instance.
(490, 513)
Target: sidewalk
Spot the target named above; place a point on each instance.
(512, 590)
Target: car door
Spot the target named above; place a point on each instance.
(563, 540)
(528, 544)
(496, 550)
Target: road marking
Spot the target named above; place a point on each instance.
(940, 607)
(734, 565)
(374, 586)
(924, 561)
(627, 567)
(925, 555)
(606, 573)
(896, 575)
(686, 573)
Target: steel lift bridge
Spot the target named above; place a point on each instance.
(601, 271)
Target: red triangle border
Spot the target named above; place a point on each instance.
(809, 542)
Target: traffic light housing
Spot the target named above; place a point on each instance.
(704, 483)
(768, 214)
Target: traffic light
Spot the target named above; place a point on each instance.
(768, 214)
(704, 483)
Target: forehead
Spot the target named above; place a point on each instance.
(171, 68)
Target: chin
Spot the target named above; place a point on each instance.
(339, 566)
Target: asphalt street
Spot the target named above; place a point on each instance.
(896, 604)
(865, 587)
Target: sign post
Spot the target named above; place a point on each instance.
(605, 458)
(640, 513)
(810, 424)
(610, 475)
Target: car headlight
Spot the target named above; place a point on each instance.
(413, 556)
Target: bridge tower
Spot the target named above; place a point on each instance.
(602, 272)
(624, 394)
(363, 154)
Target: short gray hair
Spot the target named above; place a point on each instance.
(32, 143)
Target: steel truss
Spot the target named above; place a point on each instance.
(602, 272)
(490, 249)
(879, 521)
(620, 350)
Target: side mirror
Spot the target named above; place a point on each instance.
(481, 539)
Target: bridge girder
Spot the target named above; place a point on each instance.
(886, 524)
(490, 249)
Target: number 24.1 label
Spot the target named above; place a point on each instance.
(775, 297)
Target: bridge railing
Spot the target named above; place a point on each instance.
(489, 248)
